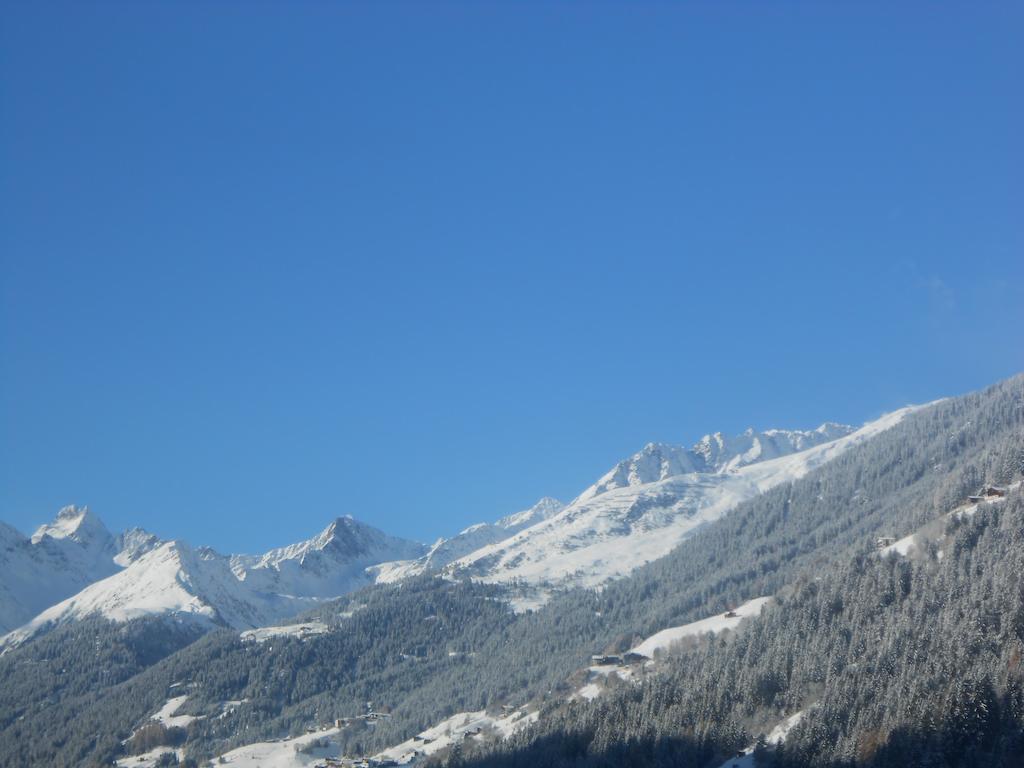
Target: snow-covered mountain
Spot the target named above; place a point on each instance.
(330, 564)
(59, 559)
(173, 580)
(646, 505)
(198, 584)
(712, 454)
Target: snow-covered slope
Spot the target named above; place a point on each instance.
(712, 454)
(666, 638)
(58, 560)
(445, 551)
(647, 505)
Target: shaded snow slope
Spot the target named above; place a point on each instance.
(640, 511)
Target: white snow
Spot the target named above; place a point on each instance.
(713, 624)
(779, 733)
(901, 546)
(589, 691)
(148, 759)
(166, 713)
(300, 631)
(284, 753)
(775, 737)
(456, 728)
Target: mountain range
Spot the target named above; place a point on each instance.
(638, 511)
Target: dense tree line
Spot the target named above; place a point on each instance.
(431, 647)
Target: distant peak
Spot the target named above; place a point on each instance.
(72, 512)
(133, 544)
(72, 522)
(548, 502)
(344, 525)
(545, 508)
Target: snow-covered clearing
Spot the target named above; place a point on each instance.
(148, 759)
(775, 737)
(312, 748)
(285, 753)
(167, 717)
(713, 624)
(465, 725)
(598, 674)
(300, 631)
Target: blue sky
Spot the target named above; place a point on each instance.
(265, 264)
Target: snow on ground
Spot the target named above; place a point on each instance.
(781, 731)
(148, 759)
(300, 631)
(777, 736)
(169, 719)
(661, 641)
(311, 748)
(457, 728)
(588, 692)
(902, 546)
(284, 753)
(714, 624)
(165, 716)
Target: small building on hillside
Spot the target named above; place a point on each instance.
(988, 493)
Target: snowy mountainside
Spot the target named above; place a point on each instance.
(645, 506)
(58, 560)
(712, 454)
(445, 551)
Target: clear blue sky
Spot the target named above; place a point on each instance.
(265, 264)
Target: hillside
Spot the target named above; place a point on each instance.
(427, 649)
